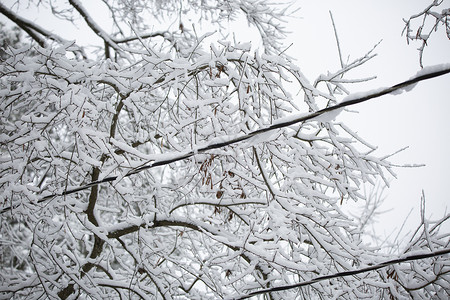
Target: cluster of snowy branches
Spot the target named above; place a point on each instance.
(221, 222)
(429, 21)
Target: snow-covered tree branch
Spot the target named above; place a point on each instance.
(170, 166)
(428, 22)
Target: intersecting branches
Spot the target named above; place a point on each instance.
(192, 173)
(429, 22)
(280, 124)
(350, 273)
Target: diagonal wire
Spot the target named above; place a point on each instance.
(347, 273)
(348, 101)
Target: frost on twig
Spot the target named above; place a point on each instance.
(421, 26)
(183, 168)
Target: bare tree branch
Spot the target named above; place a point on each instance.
(31, 28)
(93, 25)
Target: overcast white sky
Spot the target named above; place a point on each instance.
(418, 119)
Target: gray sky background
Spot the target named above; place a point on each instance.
(418, 119)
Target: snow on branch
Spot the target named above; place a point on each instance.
(415, 257)
(93, 25)
(423, 31)
(187, 171)
(31, 28)
(427, 73)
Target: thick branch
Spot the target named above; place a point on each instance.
(97, 248)
(93, 25)
(130, 228)
(32, 29)
(35, 31)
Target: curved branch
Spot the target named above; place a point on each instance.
(33, 30)
(126, 228)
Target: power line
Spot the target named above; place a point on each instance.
(346, 273)
(435, 72)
